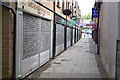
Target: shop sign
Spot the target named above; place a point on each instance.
(92, 22)
(77, 22)
(95, 13)
(71, 22)
(35, 8)
(60, 20)
(74, 18)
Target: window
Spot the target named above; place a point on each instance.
(58, 3)
(75, 11)
(68, 4)
(63, 5)
(70, 7)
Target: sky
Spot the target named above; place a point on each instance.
(86, 6)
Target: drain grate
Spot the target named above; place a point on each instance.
(86, 42)
(81, 46)
(56, 62)
(66, 60)
(87, 51)
(92, 52)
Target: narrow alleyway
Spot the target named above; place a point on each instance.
(79, 61)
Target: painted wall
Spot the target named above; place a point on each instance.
(48, 4)
(108, 36)
(119, 20)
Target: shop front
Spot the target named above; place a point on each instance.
(34, 24)
(68, 36)
(60, 34)
(73, 35)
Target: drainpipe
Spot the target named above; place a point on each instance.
(14, 39)
(72, 27)
(98, 33)
(54, 32)
(65, 35)
(65, 30)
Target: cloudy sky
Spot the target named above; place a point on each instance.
(86, 6)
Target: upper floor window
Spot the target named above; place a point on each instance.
(75, 11)
(68, 5)
(63, 4)
(58, 3)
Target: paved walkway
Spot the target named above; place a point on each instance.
(79, 61)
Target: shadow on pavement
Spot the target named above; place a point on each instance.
(93, 50)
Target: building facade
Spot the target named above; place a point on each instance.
(108, 34)
(31, 32)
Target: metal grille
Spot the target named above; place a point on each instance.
(45, 35)
(68, 36)
(30, 35)
(73, 35)
(76, 35)
(59, 34)
(118, 60)
(36, 35)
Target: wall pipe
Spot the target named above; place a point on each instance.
(54, 33)
(72, 27)
(14, 39)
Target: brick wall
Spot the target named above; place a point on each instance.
(7, 41)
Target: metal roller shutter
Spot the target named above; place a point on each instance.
(76, 35)
(73, 36)
(36, 42)
(59, 38)
(68, 36)
(45, 41)
(118, 61)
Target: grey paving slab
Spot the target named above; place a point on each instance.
(79, 61)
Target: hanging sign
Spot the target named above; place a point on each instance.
(77, 22)
(60, 20)
(94, 13)
(74, 18)
(67, 12)
(71, 22)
